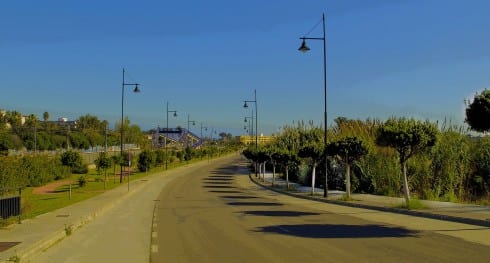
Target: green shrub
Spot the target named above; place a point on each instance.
(80, 169)
(82, 181)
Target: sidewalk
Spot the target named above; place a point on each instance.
(24, 241)
(462, 213)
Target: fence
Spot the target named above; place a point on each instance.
(10, 205)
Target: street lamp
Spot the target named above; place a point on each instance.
(256, 116)
(250, 123)
(166, 151)
(304, 48)
(188, 128)
(205, 128)
(135, 90)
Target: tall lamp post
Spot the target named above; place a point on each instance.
(135, 90)
(188, 126)
(205, 128)
(166, 150)
(256, 116)
(304, 48)
(250, 121)
(256, 122)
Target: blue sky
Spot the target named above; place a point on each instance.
(384, 58)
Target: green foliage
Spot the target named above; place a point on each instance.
(26, 171)
(479, 180)
(478, 112)
(80, 169)
(160, 157)
(407, 136)
(71, 158)
(103, 161)
(145, 159)
(82, 181)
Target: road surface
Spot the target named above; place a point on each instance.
(211, 212)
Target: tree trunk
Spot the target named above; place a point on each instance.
(273, 173)
(347, 180)
(105, 178)
(405, 183)
(313, 174)
(263, 172)
(287, 177)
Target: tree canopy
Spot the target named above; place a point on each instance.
(478, 112)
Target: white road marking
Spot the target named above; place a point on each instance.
(154, 248)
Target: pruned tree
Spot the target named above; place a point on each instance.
(314, 153)
(103, 162)
(286, 158)
(348, 151)
(408, 137)
(478, 112)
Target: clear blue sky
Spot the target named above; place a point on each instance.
(404, 58)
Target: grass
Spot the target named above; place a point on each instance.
(414, 204)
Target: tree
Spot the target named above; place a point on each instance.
(46, 116)
(145, 159)
(478, 112)
(103, 162)
(286, 158)
(312, 150)
(408, 137)
(348, 150)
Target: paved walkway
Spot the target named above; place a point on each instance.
(455, 212)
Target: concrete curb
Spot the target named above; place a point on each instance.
(29, 253)
(470, 221)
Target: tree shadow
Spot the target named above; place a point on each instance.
(254, 204)
(218, 186)
(238, 197)
(279, 213)
(217, 178)
(225, 191)
(217, 182)
(338, 231)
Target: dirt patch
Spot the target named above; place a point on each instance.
(51, 187)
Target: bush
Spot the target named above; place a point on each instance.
(145, 159)
(82, 181)
(80, 169)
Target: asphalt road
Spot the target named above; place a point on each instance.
(211, 212)
(216, 215)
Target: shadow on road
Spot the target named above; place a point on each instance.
(220, 178)
(225, 192)
(338, 231)
(238, 197)
(218, 186)
(254, 204)
(217, 182)
(279, 213)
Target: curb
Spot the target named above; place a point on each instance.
(30, 252)
(456, 219)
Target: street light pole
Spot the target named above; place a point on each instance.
(256, 123)
(166, 149)
(136, 90)
(303, 48)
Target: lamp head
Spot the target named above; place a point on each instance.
(245, 119)
(245, 105)
(136, 89)
(175, 113)
(193, 123)
(304, 48)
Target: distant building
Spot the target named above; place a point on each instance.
(262, 139)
